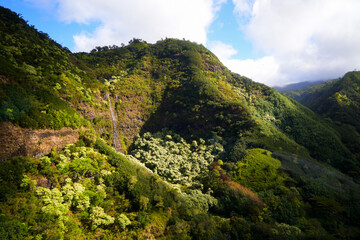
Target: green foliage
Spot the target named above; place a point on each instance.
(299, 128)
(53, 201)
(338, 100)
(206, 227)
(258, 170)
(68, 201)
(285, 231)
(36, 71)
(11, 176)
(238, 151)
(98, 217)
(75, 195)
(201, 201)
(123, 221)
(324, 205)
(13, 229)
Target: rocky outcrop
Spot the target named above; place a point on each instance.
(132, 117)
(17, 141)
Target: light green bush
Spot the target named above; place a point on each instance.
(123, 221)
(99, 217)
(53, 201)
(170, 156)
(74, 195)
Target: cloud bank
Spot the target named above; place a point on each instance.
(121, 20)
(263, 70)
(301, 39)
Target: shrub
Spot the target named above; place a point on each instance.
(170, 156)
(123, 221)
(258, 170)
(98, 217)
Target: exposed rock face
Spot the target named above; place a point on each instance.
(132, 117)
(15, 141)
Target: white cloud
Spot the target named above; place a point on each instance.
(243, 7)
(221, 50)
(121, 20)
(262, 70)
(307, 39)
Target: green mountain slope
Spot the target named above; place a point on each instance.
(197, 97)
(37, 75)
(301, 94)
(338, 99)
(211, 154)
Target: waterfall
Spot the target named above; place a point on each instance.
(115, 136)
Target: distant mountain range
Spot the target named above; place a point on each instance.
(337, 99)
(298, 85)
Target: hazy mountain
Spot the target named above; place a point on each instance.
(297, 86)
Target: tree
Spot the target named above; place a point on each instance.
(99, 217)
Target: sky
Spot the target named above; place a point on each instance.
(276, 42)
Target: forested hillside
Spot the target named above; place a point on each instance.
(337, 99)
(148, 141)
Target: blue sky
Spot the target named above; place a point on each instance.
(271, 41)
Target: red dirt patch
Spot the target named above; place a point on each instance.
(236, 186)
(17, 141)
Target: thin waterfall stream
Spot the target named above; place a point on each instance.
(115, 136)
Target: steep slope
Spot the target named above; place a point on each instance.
(35, 73)
(43, 86)
(212, 154)
(182, 86)
(342, 101)
(338, 99)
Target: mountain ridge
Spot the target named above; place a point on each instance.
(298, 85)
